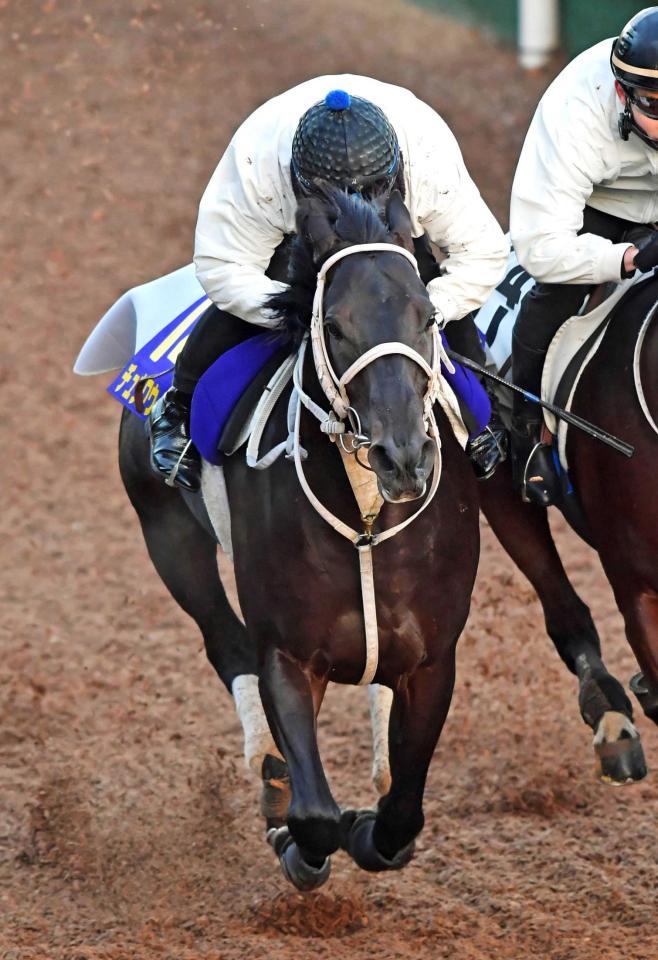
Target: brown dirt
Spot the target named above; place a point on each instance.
(128, 826)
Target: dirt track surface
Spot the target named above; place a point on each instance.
(128, 825)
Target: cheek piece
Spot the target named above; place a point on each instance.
(627, 123)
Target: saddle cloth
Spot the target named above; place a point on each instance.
(571, 350)
(569, 353)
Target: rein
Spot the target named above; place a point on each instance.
(641, 396)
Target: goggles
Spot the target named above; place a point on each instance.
(647, 106)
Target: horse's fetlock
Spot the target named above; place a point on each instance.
(376, 854)
(318, 836)
(601, 693)
(394, 831)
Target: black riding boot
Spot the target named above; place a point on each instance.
(533, 470)
(173, 455)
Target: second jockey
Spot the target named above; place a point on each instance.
(586, 177)
(361, 135)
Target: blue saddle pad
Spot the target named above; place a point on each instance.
(470, 391)
(222, 385)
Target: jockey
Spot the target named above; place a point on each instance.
(586, 177)
(313, 134)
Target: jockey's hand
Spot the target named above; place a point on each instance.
(647, 256)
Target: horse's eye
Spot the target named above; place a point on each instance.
(430, 322)
(332, 330)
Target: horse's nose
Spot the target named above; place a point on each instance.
(402, 466)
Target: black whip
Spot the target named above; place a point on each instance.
(589, 428)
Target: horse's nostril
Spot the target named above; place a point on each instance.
(425, 461)
(380, 460)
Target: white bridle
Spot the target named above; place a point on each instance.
(333, 385)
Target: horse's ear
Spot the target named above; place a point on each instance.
(316, 222)
(399, 221)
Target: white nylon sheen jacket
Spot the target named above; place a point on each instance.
(574, 156)
(249, 203)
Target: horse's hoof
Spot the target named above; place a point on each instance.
(301, 874)
(347, 818)
(361, 847)
(275, 797)
(618, 748)
(647, 699)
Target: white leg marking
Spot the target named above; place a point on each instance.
(380, 700)
(611, 726)
(258, 739)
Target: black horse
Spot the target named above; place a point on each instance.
(298, 580)
(619, 517)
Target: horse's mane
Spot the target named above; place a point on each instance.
(354, 220)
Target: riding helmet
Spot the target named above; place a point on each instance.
(634, 58)
(347, 141)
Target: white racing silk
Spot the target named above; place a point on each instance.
(574, 156)
(249, 204)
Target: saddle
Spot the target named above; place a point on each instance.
(229, 391)
(572, 349)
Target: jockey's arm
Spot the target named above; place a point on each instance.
(561, 162)
(237, 232)
(448, 206)
(477, 252)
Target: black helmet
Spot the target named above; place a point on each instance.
(346, 141)
(634, 58)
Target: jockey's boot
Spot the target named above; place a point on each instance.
(488, 449)
(533, 470)
(173, 455)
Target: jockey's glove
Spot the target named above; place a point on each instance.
(647, 256)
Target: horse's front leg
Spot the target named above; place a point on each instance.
(641, 618)
(384, 840)
(524, 532)
(291, 700)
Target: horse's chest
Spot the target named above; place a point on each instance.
(402, 643)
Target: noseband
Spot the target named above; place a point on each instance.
(334, 387)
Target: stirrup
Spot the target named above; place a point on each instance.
(487, 451)
(549, 495)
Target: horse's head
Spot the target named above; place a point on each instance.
(376, 298)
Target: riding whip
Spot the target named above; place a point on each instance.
(589, 428)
